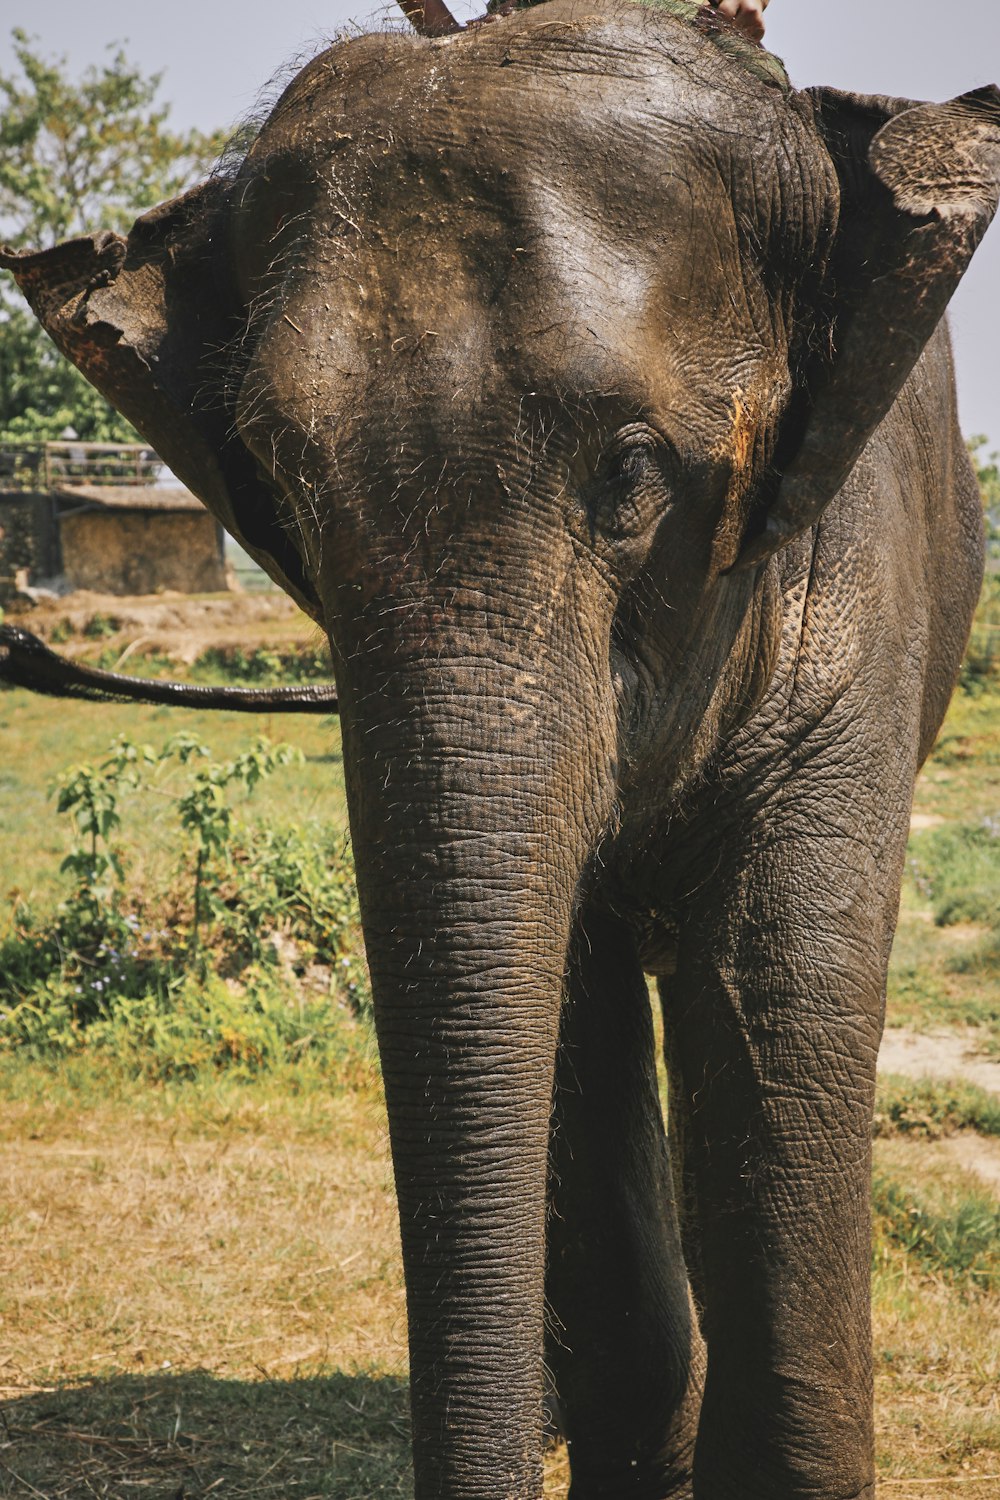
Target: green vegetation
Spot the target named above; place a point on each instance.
(298, 661)
(926, 1108)
(954, 1234)
(194, 1027)
(931, 987)
(264, 665)
(98, 626)
(945, 966)
(957, 869)
(242, 960)
(76, 155)
(987, 468)
(44, 737)
(982, 659)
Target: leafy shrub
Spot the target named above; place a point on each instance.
(284, 883)
(182, 1029)
(100, 625)
(262, 664)
(235, 964)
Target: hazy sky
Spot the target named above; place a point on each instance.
(215, 58)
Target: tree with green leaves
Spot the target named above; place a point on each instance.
(76, 155)
(987, 467)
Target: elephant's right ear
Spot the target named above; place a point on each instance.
(147, 320)
(919, 185)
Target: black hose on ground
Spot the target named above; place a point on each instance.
(26, 662)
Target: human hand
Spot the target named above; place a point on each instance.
(746, 15)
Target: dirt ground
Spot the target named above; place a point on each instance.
(939, 1054)
(174, 625)
(949, 1054)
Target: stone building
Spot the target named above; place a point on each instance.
(29, 539)
(139, 539)
(104, 517)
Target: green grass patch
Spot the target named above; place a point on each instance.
(961, 780)
(939, 977)
(928, 1108)
(945, 968)
(308, 1098)
(957, 869)
(981, 667)
(949, 1232)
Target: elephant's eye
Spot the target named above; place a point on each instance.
(629, 466)
(629, 489)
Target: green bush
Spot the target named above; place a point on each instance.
(99, 626)
(184, 1028)
(251, 955)
(265, 665)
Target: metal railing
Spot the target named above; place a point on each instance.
(53, 466)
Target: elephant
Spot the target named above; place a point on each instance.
(589, 385)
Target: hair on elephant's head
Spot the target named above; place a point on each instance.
(517, 355)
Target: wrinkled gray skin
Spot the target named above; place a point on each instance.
(554, 346)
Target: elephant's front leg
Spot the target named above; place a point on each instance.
(777, 1012)
(624, 1347)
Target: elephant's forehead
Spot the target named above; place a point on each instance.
(414, 308)
(617, 99)
(528, 210)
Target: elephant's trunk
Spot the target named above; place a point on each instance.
(473, 809)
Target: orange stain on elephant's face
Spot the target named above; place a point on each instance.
(743, 434)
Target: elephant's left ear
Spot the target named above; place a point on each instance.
(919, 185)
(147, 320)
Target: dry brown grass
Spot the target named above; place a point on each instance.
(937, 1353)
(255, 1240)
(202, 1295)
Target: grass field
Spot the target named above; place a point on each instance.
(201, 1289)
(946, 960)
(51, 736)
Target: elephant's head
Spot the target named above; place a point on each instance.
(516, 356)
